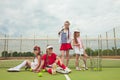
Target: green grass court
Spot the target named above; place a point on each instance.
(111, 71)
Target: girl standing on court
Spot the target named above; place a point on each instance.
(79, 49)
(65, 40)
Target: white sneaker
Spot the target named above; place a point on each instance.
(54, 66)
(67, 70)
(78, 68)
(83, 66)
(86, 68)
(13, 70)
(60, 70)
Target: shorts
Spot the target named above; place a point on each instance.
(78, 51)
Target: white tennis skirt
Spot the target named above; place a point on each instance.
(33, 65)
(77, 50)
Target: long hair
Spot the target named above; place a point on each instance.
(46, 58)
(75, 37)
(37, 48)
(68, 28)
(63, 29)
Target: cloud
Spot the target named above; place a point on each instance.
(42, 17)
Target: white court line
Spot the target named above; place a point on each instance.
(67, 77)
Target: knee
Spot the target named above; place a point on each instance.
(67, 58)
(85, 55)
(62, 55)
(27, 61)
(77, 59)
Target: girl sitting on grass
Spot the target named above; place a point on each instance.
(50, 61)
(33, 65)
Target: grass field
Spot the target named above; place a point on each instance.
(110, 71)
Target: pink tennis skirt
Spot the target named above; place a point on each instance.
(65, 46)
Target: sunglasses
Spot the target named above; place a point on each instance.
(35, 49)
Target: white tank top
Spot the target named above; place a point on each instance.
(35, 60)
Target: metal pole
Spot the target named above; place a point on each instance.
(98, 57)
(34, 39)
(107, 43)
(91, 58)
(5, 45)
(101, 42)
(101, 53)
(115, 41)
(86, 41)
(47, 40)
(21, 44)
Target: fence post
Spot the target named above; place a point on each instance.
(21, 44)
(34, 39)
(5, 46)
(98, 45)
(107, 43)
(115, 41)
(7, 43)
(47, 40)
(86, 41)
(101, 44)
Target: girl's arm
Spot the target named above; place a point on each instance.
(39, 61)
(70, 37)
(41, 65)
(74, 43)
(58, 58)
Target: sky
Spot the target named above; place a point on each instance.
(46, 17)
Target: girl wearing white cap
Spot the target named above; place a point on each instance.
(65, 40)
(50, 61)
(79, 49)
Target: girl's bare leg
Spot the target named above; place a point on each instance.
(67, 58)
(77, 60)
(85, 59)
(62, 56)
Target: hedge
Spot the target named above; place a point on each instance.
(89, 51)
(17, 54)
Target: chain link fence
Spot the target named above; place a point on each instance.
(107, 43)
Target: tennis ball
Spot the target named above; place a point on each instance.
(30, 69)
(40, 74)
(43, 70)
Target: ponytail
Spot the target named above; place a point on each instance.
(68, 29)
(63, 29)
(75, 38)
(68, 33)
